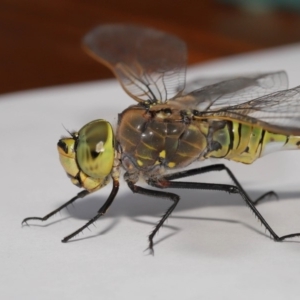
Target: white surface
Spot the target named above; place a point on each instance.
(211, 248)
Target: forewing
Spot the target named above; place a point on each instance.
(234, 91)
(149, 64)
(278, 112)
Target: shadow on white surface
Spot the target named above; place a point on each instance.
(135, 207)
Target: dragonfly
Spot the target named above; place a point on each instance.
(167, 129)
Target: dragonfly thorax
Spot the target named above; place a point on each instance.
(159, 136)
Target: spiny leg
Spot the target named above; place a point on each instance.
(173, 197)
(100, 213)
(79, 195)
(218, 167)
(165, 182)
(264, 196)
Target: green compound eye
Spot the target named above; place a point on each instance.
(95, 149)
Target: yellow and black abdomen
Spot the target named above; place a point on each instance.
(245, 143)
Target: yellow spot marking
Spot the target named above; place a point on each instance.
(163, 115)
(171, 164)
(162, 154)
(140, 163)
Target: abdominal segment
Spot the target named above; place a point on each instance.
(245, 143)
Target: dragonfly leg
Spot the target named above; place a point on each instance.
(264, 196)
(166, 182)
(218, 167)
(79, 195)
(154, 193)
(173, 197)
(100, 213)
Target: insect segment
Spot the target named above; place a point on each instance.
(159, 137)
(245, 143)
(88, 156)
(240, 119)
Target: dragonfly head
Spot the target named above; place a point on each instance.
(88, 155)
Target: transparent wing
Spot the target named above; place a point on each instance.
(235, 91)
(201, 82)
(279, 111)
(149, 64)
